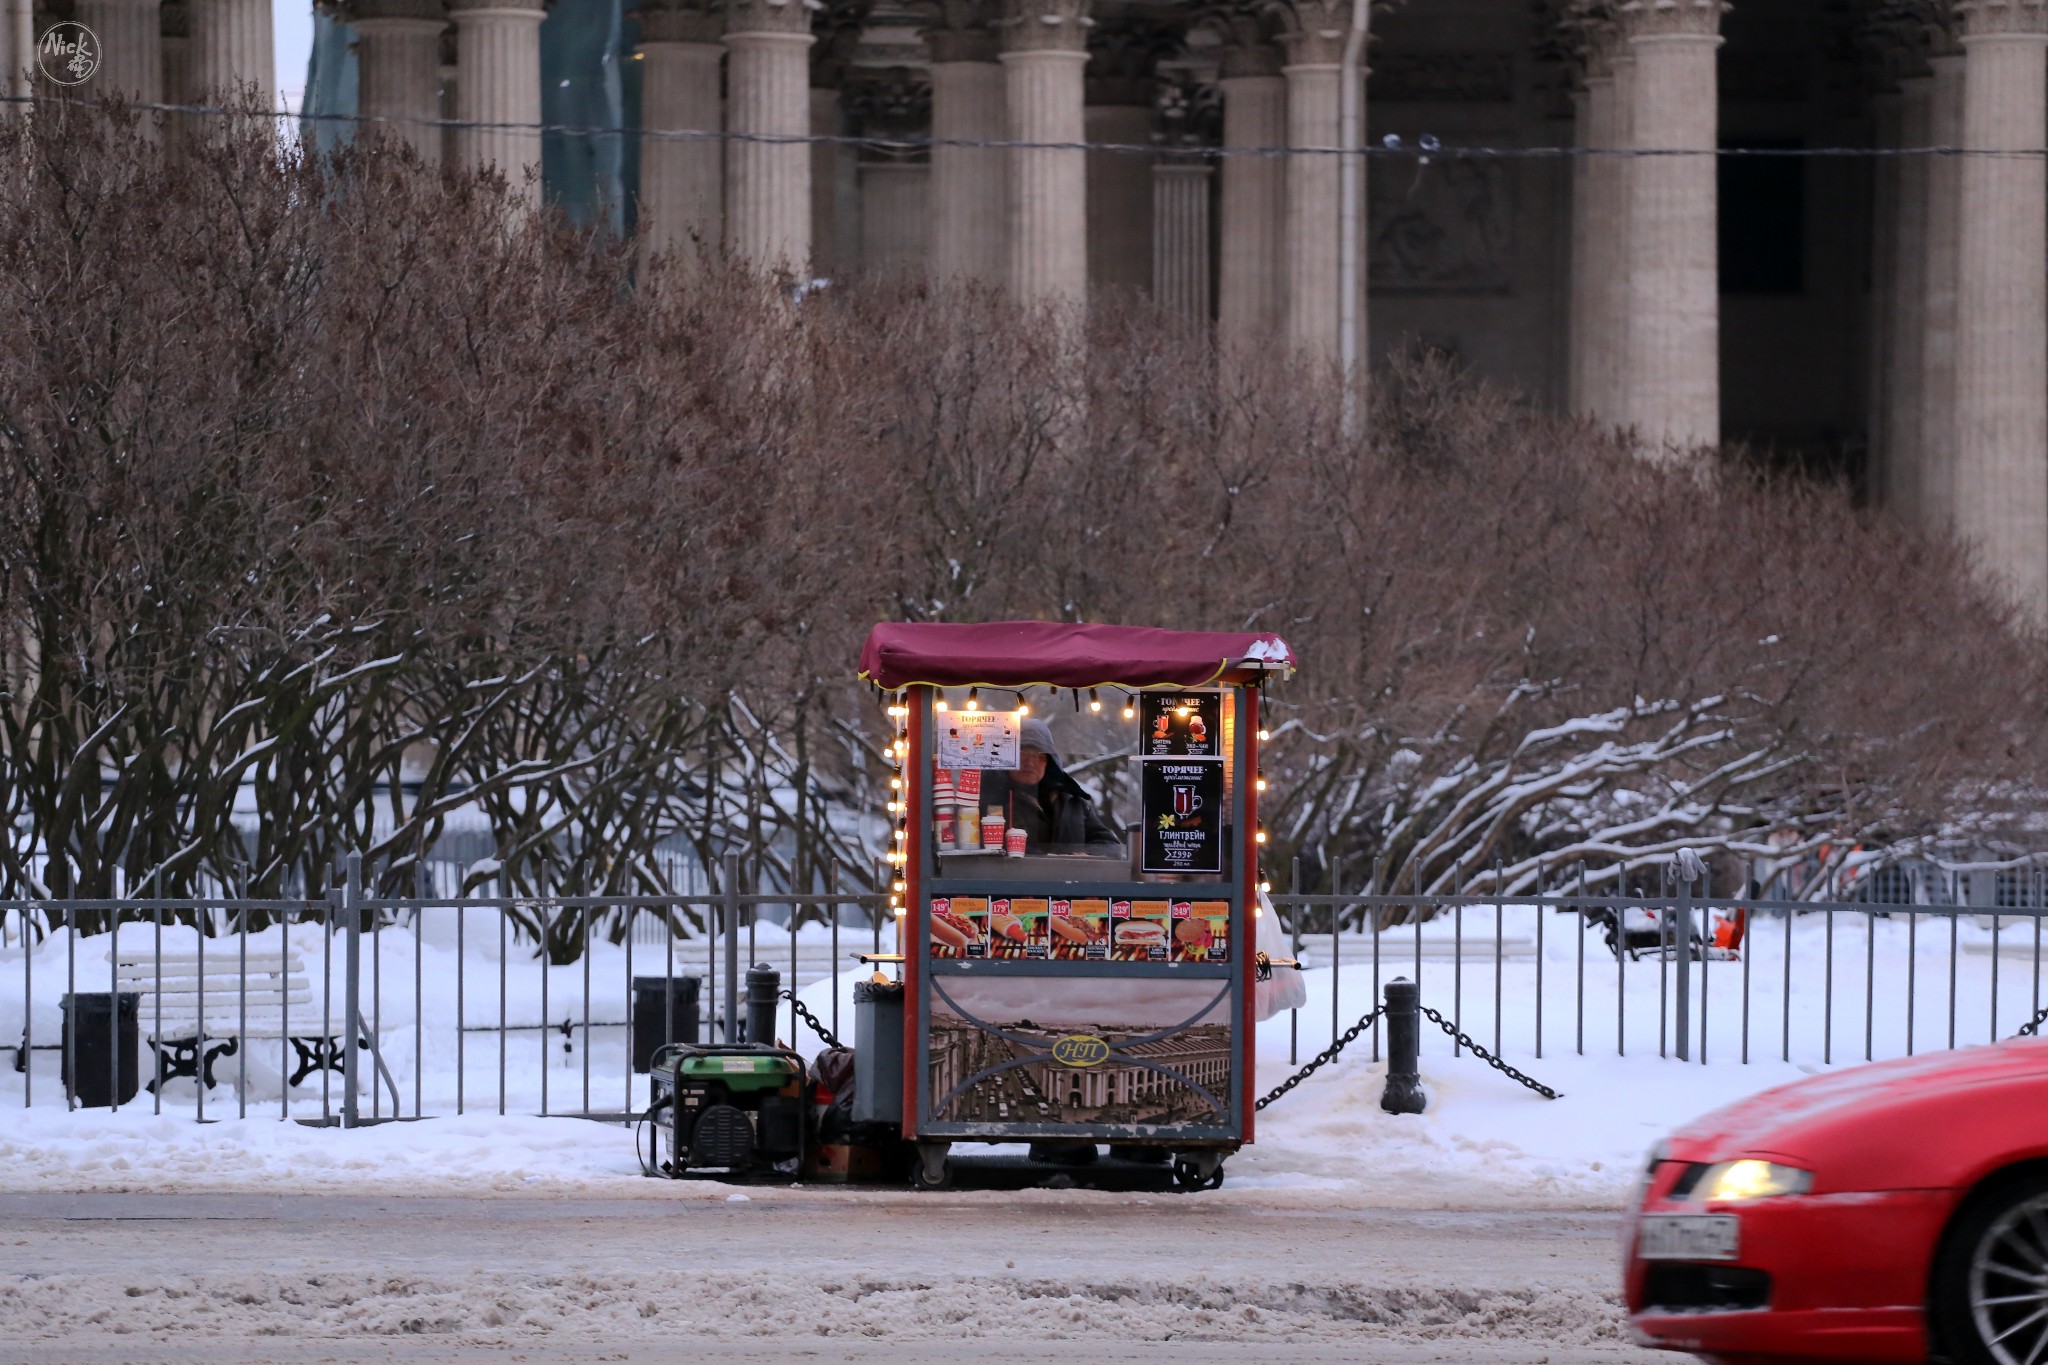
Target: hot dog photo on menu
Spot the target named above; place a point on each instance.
(959, 926)
(1079, 930)
(1016, 927)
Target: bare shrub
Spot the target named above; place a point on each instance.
(337, 499)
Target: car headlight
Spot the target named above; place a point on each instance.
(1738, 1182)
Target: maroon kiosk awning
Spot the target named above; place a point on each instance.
(1058, 654)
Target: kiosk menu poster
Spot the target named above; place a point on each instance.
(979, 739)
(1181, 725)
(1181, 802)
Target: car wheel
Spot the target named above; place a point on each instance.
(1991, 1289)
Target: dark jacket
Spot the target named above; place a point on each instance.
(1066, 816)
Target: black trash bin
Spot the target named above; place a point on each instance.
(94, 1035)
(656, 1023)
(877, 1052)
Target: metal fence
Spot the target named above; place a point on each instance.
(454, 1008)
(453, 1002)
(1694, 978)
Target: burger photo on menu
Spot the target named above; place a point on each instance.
(1201, 931)
(959, 926)
(1016, 928)
(1138, 931)
(1079, 930)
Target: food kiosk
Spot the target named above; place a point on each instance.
(1098, 991)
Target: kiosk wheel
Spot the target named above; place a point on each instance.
(933, 1169)
(1195, 1173)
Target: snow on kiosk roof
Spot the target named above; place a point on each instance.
(1062, 654)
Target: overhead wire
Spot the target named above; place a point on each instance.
(1389, 147)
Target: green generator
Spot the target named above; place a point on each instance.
(737, 1108)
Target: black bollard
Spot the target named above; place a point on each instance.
(1403, 1094)
(764, 991)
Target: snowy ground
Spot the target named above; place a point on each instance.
(1484, 1142)
(796, 1274)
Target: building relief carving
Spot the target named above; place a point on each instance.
(1190, 112)
(1444, 228)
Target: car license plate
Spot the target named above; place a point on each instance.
(1688, 1237)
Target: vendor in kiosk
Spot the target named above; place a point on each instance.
(1041, 799)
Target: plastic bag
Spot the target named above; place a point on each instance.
(1287, 989)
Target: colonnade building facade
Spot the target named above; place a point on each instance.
(1822, 288)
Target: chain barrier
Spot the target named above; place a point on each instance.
(1327, 1055)
(2032, 1028)
(1465, 1040)
(803, 1012)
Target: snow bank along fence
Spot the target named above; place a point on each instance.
(451, 1002)
(453, 1008)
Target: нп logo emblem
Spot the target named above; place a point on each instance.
(1080, 1049)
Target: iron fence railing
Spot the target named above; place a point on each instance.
(354, 1008)
(1700, 979)
(253, 994)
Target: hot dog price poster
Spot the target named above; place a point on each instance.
(1181, 803)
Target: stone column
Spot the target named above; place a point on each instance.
(497, 45)
(894, 220)
(1180, 236)
(1906, 312)
(232, 48)
(1613, 368)
(837, 230)
(1597, 243)
(18, 44)
(175, 32)
(449, 90)
(682, 189)
(1121, 92)
(398, 71)
(1674, 397)
(1937, 387)
(1181, 180)
(1880, 454)
(768, 184)
(892, 183)
(1045, 50)
(969, 190)
(2001, 487)
(1314, 43)
(131, 50)
(827, 119)
(1248, 287)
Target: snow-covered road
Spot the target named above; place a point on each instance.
(792, 1274)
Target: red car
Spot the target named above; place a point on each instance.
(1886, 1213)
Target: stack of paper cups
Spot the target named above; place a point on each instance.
(945, 819)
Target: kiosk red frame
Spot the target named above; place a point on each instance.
(1119, 1033)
